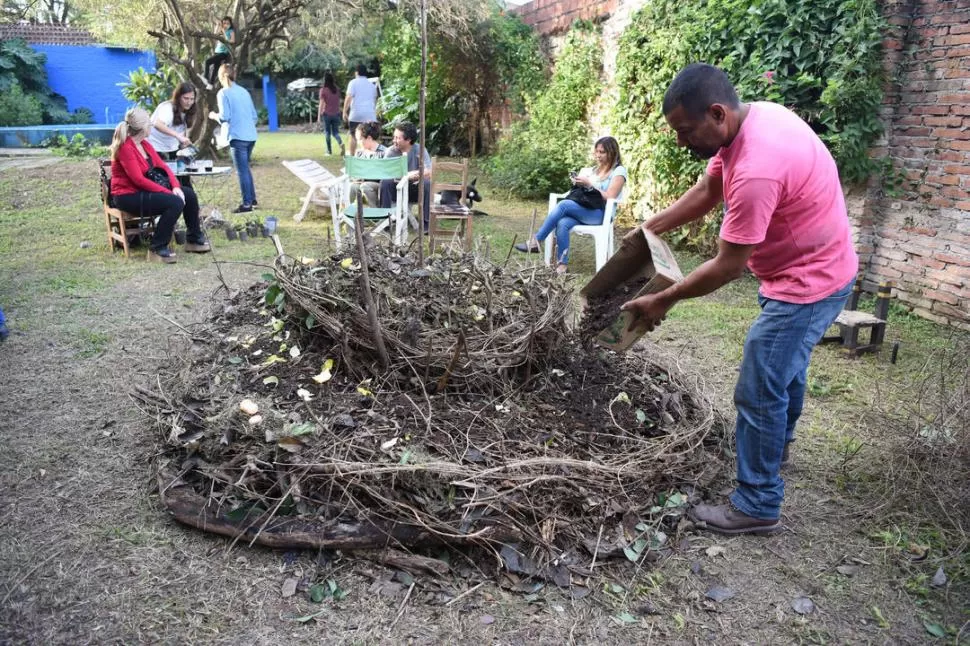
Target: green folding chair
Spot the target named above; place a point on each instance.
(394, 218)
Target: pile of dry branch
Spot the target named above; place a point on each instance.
(470, 414)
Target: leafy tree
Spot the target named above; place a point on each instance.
(494, 59)
(535, 157)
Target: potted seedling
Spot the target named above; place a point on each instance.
(243, 233)
(231, 233)
(252, 228)
(180, 236)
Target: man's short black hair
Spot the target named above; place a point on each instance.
(362, 69)
(697, 87)
(408, 131)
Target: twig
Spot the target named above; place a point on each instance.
(532, 227)
(464, 594)
(597, 550)
(187, 332)
(508, 256)
(400, 611)
(375, 323)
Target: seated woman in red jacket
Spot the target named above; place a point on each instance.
(131, 158)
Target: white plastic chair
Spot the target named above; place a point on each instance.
(602, 234)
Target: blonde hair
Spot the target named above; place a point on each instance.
(136, 122)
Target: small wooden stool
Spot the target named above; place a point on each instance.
(851, 321)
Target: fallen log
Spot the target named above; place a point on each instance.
(195, 510)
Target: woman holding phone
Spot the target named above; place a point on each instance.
(608, 177)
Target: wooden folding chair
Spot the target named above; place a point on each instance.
(120, 224)
(458, 214)
(395, 217)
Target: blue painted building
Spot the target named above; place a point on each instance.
(83, 72)
(88, 76)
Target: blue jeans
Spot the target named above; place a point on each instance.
(563, 218)
(331, 126)
(770, 392)
(241, 152)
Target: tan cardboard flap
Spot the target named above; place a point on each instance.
(645, 256)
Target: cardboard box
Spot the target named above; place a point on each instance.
(645, 256)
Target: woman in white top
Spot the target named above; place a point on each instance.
(172, 121)
(608, 177)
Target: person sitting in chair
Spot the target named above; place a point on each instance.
(141, 183)
(608, 178)
(368, 147)
(405, 134)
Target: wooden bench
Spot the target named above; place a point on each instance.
(850, 322)
(324, 186)
(121, 225)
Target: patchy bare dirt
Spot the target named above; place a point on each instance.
(88, 556)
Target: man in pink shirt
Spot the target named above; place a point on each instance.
(785, 220)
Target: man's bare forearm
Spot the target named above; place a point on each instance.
(694, 204)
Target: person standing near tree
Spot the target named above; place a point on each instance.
(172, 120)
(236, 108)
(221, 54)
(360, 104)
(329, 109)
(786, 220)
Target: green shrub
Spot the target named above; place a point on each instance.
(299, 107)
(76, 146)
(821, 58)
(148, 89)
(19, 109)
(535, 157)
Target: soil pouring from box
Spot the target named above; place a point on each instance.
(643, 265)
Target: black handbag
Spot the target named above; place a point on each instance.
(159, 176)
(587, 196)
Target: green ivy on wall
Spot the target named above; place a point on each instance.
(821, 58)
(536, 155)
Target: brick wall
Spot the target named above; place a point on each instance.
(918, 234)
(550, 17)
(43, 34)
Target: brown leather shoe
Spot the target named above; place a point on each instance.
(161, 255)
(193, 247)
(725, 519)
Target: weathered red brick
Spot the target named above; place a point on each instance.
(952, 310)
(941, 295)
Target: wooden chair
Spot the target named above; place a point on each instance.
(459, 214)
(851, 321)
(324, 186)
(121, 224)
(395, 217)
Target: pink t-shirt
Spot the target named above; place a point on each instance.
(782, 194)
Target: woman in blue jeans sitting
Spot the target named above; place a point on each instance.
(236, 108)
(608, 177)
